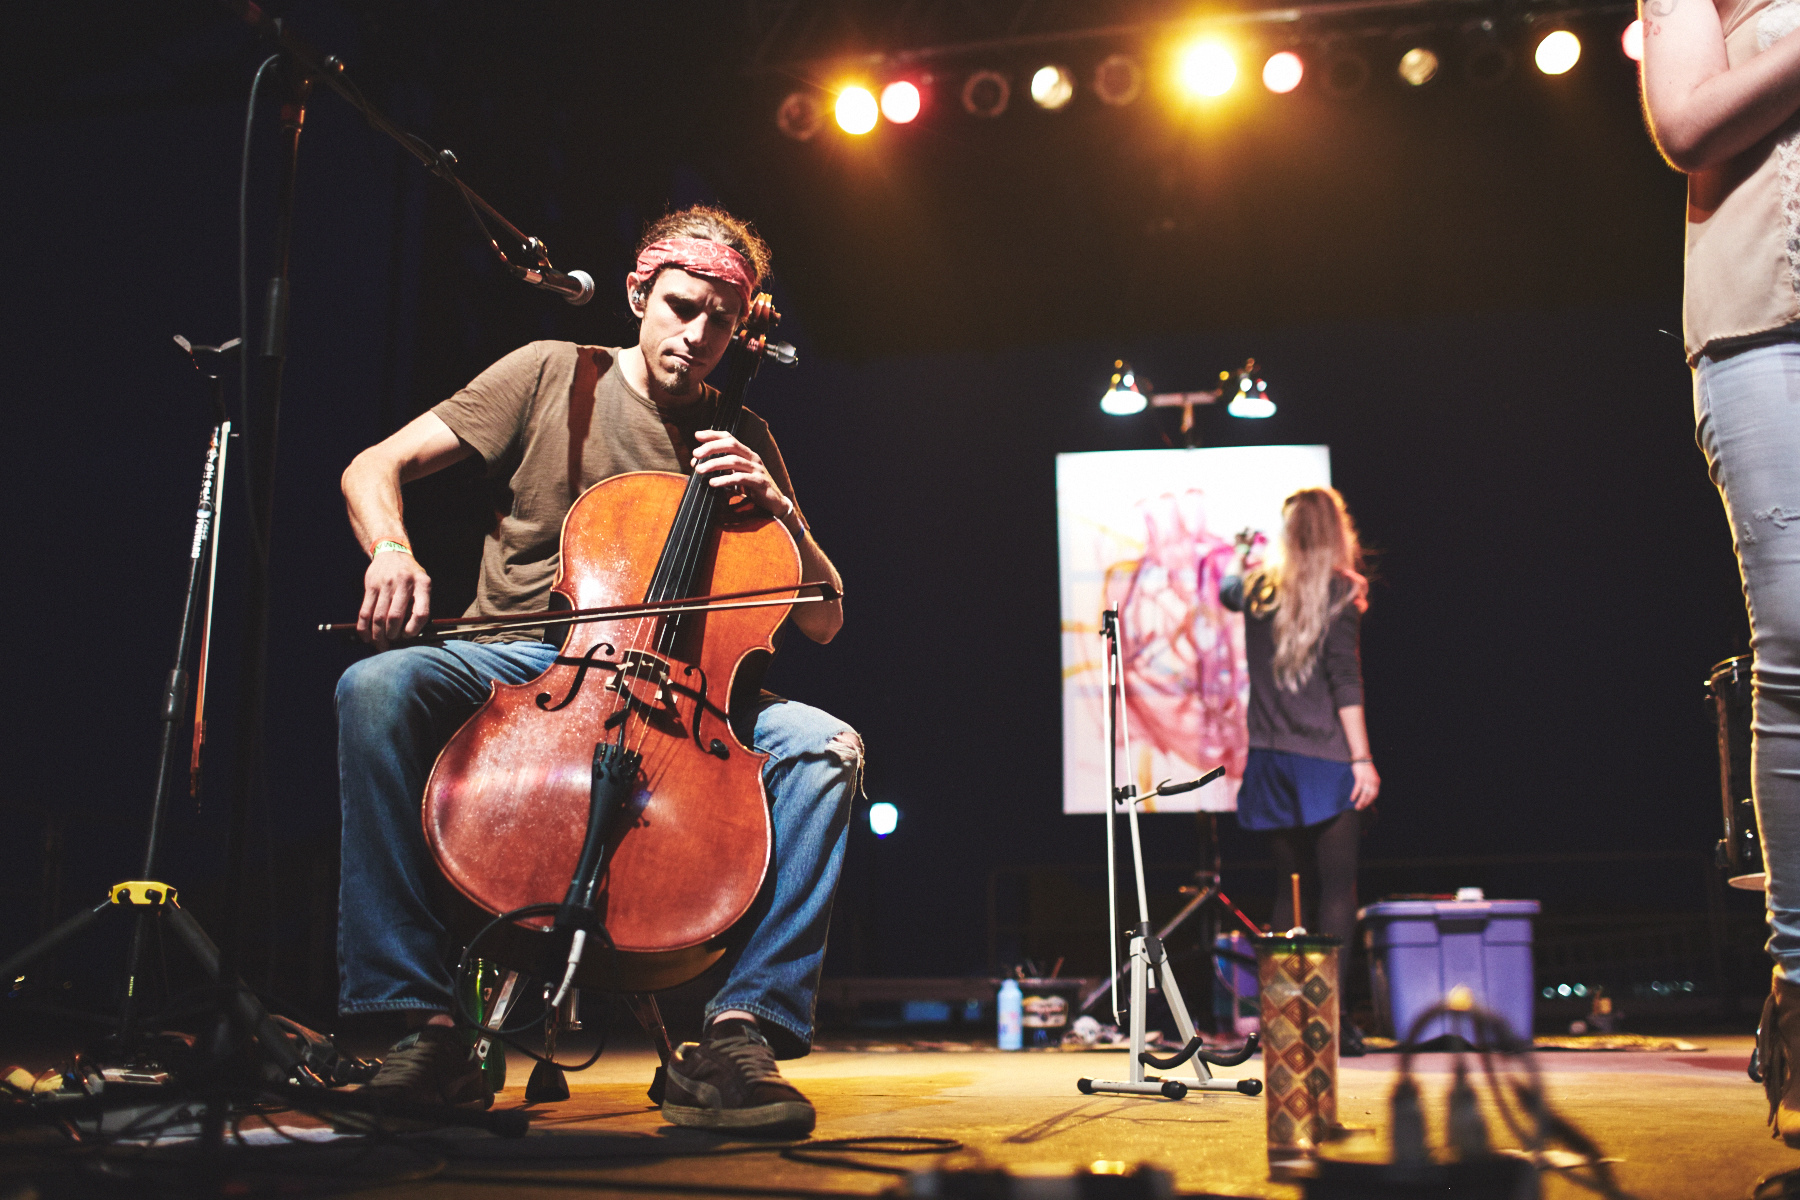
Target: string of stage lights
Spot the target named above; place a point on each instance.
(900, 87)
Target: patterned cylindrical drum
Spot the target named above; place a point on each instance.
(1299, 981)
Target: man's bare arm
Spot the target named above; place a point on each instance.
(820, 622)
(1702, 111)
(396, 590)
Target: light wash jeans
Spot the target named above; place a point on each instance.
(1747, 417)
(398, 708)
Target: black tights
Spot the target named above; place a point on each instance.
(1325, 857)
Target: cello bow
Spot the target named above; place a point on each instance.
(442, 627)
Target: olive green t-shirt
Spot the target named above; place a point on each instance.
(553, 419)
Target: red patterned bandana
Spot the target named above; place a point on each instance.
(701, 256)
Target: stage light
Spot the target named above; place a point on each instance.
(1251, 401)
(1122, 397)
(856, 111)
(1118, 80)
(900, 101)
(1206, 69)
(1281, 74)
(1052, 87)
(986, 94)
(1632, 41)
(884, 818)
(1252, 405)
(1558, 52)
(800, 116)
(1418, 66)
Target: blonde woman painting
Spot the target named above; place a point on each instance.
(1310, 773)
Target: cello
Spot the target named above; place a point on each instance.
(607, 813)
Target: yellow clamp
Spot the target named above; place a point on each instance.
(146, 892)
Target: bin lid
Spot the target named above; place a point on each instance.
(1449, 908)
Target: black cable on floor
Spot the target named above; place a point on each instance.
(817, 1153)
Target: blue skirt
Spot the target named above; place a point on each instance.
(1288, 791)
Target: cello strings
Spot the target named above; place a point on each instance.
(681, 556)
(675, 564)
(674, 573)
(672, 578)
(661, 587)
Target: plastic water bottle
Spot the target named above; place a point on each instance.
(1012, 1015)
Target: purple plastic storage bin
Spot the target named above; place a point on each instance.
(1420, 949)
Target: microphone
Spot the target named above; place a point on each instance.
(577, 287)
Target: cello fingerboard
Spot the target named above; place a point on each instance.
(701, 503)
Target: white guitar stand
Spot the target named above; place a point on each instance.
(1149, 963)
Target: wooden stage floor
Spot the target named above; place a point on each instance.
(1683, 1124)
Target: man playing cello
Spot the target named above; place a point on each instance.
(557, 418)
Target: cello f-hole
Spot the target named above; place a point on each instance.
(581, 669)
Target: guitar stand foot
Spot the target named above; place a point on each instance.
(1169, 1089)
(547, 1084)
(1243, 1087)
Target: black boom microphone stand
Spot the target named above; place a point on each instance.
(149, 901)
(134, 1069)
(241, 1018)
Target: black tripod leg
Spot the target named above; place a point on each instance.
(77, 924)
(246, 1008)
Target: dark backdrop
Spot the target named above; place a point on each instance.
(1464, 293)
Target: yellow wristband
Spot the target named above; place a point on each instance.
(378, 547)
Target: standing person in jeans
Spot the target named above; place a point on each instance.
(1309, 774)
(1721, 85)
(555, 418)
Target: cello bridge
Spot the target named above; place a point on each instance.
(642, 665)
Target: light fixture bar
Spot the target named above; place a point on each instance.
(1185, 399)
(1451, 11)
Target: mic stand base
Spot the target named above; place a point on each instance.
(215, 1084)
(149, 900)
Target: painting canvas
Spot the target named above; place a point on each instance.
(1149, 533)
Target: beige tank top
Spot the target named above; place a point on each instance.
(1743, 218)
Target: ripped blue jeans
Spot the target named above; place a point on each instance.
(398, 708)
(1747, 420)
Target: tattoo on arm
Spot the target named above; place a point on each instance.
(1659, 8)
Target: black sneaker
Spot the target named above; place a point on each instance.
(434, 1066)
(728, 1080)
